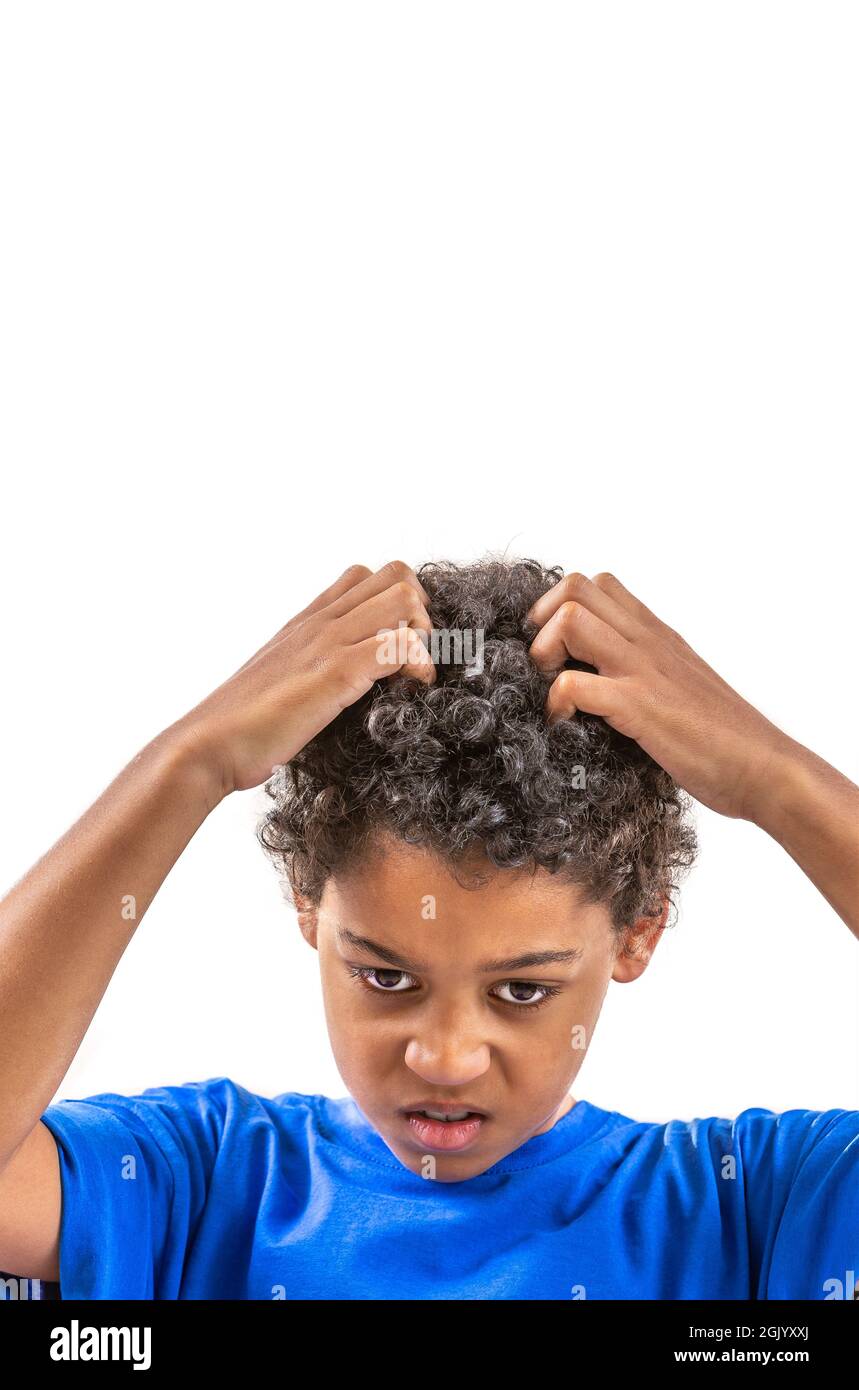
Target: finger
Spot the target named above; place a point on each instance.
(384, 654)
(395, 572)
(574, 631)
(396, 606)
(355, 574)
(636, 610)
(401, 650)
(579, 690)
(578, 588)
(350, 581)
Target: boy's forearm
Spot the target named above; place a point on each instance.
(812, 811)
(66, 923)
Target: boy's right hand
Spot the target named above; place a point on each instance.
(324, 659)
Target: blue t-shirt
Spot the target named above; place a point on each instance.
(206, 1190)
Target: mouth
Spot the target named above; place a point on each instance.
(444, 1109)
(445, 1129)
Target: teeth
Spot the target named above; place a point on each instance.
(437, 1115)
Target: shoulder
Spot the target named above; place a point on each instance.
(784, 1142)
(204, 1115)
(779, 1168)
(755, 1125)
(758, 1138)
(221, 1094)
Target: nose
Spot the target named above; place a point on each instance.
(447, 1060)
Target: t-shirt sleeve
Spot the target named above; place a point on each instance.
(801, 1171)
(134, 1173)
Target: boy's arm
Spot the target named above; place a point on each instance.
(65, 925)
(812, 811)
(649, 684)
(31, 1209)
(63, 929)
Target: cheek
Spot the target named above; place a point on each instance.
(353, 1023)
(553, 1044)
(582, 1015)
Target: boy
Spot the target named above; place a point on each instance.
(475, 849)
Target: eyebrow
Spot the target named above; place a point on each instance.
(375, 948)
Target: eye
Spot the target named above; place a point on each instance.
(365, 972)
(546, 992)
(380, 981)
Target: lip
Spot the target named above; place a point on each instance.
(445, 1136)
(444, 1107)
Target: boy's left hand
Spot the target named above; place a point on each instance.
(654, 688)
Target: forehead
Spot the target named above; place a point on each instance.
(405, 897)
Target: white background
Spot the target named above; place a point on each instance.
(289, 287)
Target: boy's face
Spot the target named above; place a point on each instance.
(439, 1019)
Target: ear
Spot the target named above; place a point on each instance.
(639, 942)
(308, 919)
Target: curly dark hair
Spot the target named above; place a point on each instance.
(470, 769)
